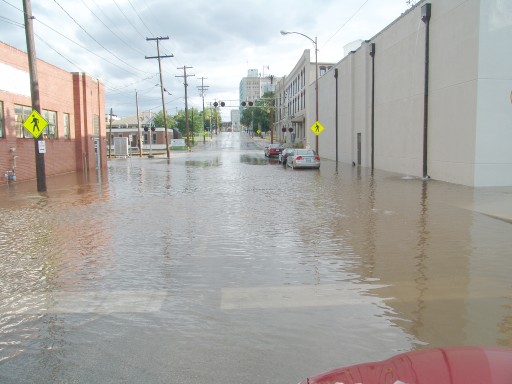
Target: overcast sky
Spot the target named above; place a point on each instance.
(219, 39)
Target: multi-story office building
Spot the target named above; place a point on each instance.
(295, 100)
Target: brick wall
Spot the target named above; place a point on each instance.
(76, 94)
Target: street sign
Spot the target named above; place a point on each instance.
(41, 145)
(317, 128)
(35, 124)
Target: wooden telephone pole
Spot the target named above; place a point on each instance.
(161, 85)
(186, 102)
(34, 92)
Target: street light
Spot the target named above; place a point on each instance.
(316, 76)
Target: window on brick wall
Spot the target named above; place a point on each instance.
(50, 131)
(21, 113)
(2, 124)
(67, 128)
(96, 125)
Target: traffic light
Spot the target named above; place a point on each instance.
(222, 104)
(247, 103)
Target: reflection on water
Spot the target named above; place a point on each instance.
(253, 159)
(205, 249)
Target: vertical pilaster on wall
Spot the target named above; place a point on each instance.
(425, 17)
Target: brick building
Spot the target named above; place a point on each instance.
(72, 103)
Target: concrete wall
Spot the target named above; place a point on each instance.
(493, 157)
(469, 112)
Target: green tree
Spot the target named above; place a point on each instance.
(212, 115)
(195, 125)
(158, 120)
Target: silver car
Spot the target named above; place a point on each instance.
(304, 158)
(283, 156)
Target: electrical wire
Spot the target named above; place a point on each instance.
(97, 42)
(140, 18)
(131, 46)
(127, 19)
(344, 24)
(9, 21)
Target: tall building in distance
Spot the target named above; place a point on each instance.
(255, 85)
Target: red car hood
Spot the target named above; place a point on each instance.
(463, 365)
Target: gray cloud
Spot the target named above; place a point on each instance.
(220, 39)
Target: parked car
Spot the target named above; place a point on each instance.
(283, 156)
(303, 158)
(273, 150)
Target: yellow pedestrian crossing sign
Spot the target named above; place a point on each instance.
(35, 124)
(317, 128)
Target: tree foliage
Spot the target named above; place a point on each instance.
(195, 121)
(158, 120)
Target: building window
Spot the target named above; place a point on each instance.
(96, 125)
(21, 113)
(2, 134)
(67, 129)
(50, 132)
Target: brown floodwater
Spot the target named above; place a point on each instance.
(223, 266)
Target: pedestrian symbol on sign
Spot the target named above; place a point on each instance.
(35, 124)
(317, 128)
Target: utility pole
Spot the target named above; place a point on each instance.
(186, 102)
(34, 91)
(161, 84)
(203, 88)
(110, 134)
(138, 124)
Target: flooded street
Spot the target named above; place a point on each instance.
(222, 266)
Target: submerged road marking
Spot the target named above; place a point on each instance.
(297, 296)
(88, 302)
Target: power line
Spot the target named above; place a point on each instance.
(140, 18)
(101, 45)
(346, 22)
(131, 46)
(16, 23)
(127, 19)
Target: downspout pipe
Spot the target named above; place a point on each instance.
(425, 17)
(336, 117)
(372, 54)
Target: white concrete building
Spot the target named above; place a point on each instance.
(295, 102)
(443, 112)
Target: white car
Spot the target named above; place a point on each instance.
(304, 158)
(283, 156)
